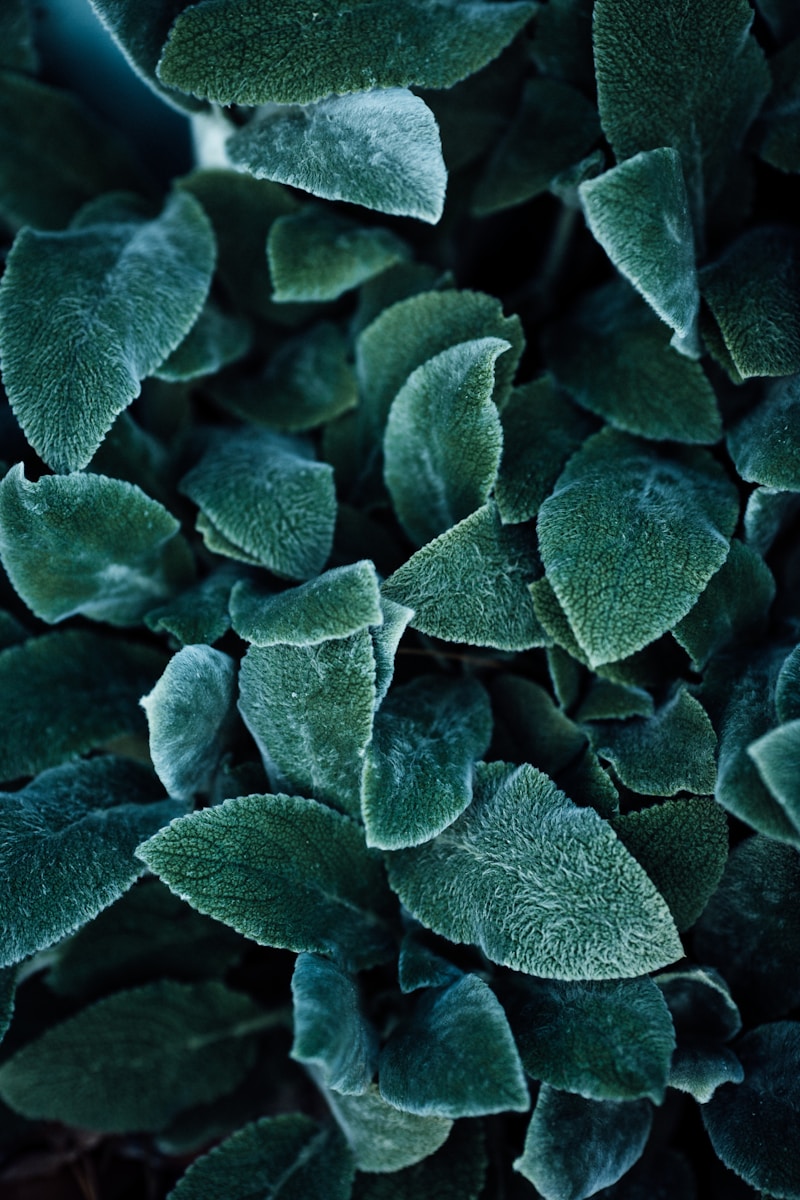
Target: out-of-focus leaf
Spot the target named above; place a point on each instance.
(330, 1031)
(455, 1172)
(659, 1175)
(334, 605)
(214, 340)
(735, 604)
(767, 510)
(787, 688)
(8, 987)
(561, 41)
(16, 37)
(381, 1137)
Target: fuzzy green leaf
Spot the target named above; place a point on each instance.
(386, 636)
(330, 1031)
(418, 768)
(606, 700)
(700, 1003)
(699, 1068)
(765, 444)
(215, 340)
(765, 514)
(191, 1046)
(334, 605)
(380, 149)
(498, 878)
(456, 1172)
(734, 604)
(310, 710)
(8, 987)
(199, 614)
(646, 528)
(380, 1136)
(140, 28)
(281, 870)
(86, 314)
(420, 967)
(777, 757)
(787, 688)
(470, 584)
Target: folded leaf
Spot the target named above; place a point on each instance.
(735, 604)
(765, 444)
(699, 1068)
(214, 340)
(456, 1172)
(336, 604)
(319, 255)
(330, 1031)
(380, 1136)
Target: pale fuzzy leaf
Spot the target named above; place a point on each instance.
(381, 1137)
(330, 1031)
(334, 605)
(199, 614)
(386, 636)
(456, 1172)
(700, 1068)
(215, 340)
(735, 604)
(777, 757)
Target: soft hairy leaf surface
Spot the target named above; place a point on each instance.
(330, 1031)
(86, 314)
(735, 604)
(200, 614)
(380, 1136)
(700, 1003)
(777, 756)
(699, 1068)
(497, 877)
(456, 1172)
(630, 537)
(336, 604)
(140, 28)
(214, 340)
(386, 636)
(283, 871)
(765, 444)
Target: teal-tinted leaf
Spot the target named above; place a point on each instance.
(67, 843)
(470, 584)
(16, 37)
(199, 614)
(566, 673)
(386, 637)
(90, 545)
(268, 501)
(380, 1136)
(753, 1127)
(86, 314)
(319, 255)
(398, 283)
(779, 127)
(456, 1172)
(330, 1031)
(11, 631)
(190, 712)
(767, 510)
(787, 688)
(420, 967)
(140, 30)
(646, 528)
(765, 444)
(443, 439)
(455, 1056)
(700, 1003)
(283, 871)
(380, 149)
(574, 1147)
(639, 213)
(334, 605)
(214, 340)
(606, 700)
(614, 358)
(541, 429)
(8, 987)
(498, 877)
(554, 128)
(418, 767)
(608, 1040)
(561, 42)
(735, 604)
(219, 51)
(288, 1155)
(310, 710)
(65, 693)
(700, 1068)
(193, 1043)
(752, 291)
(777, 757)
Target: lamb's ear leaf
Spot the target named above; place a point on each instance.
(268, 500)
(455, 1172)
(386, 635)
(86, 314)
(566, 673)
(334, 605)
(68, 838)
(614, 358)
(330, 1030)
(520, 906)
(470, 584)
(776, 757)
(215, 340)
(752, 291)
(554, 128)
(541, 429)
(650, 527)
(604, 1139)
(200, 614)
(329, 148)
(319, 255)
(418, 966)
(787, 688)
(778, 131)
(734, 604)
(190, 713)
(607, 700)
(765, 444)
(700, 1003)
(443, 439)
(753, 1127)
(259, 56)
(381, 1137)
(767, 511)
(418, 767)
(607, 1040)
(751, 929)
(699, 1068)
(310, 710)
(16, 37)
(86, 544)
(320, 889)
(435, 1063)
(194, 1042)
(65, 693)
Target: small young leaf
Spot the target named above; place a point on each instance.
(386, 636)
(765, 444)
(86, 314)
(334, 605)
(735, 604)
(420, 967)
(498, 878)
(281, 870)
(456, 1172)
(330, 1031)
(380, 149)
(200, 614)
(215, 340)
(90, 545)
(191, 1046)
(380, 1136)
(418, 767)
(700, 1068)
(288, 1155)
(777, 755)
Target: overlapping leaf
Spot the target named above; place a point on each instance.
(330, 1030)
(455, 1172)
(734, 604)
(336, 604)
(381, 1137)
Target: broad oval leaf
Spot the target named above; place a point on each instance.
(334, 605)
(86, 314)
(381, 1137)
(539, 884)
(330, 1030)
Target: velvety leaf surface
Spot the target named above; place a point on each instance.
(574, 1147)
(765, 444)
(605, 1040)
(289, 1156)
(381, 1137)
(310, 710)
(607, 700)
(420, 967)
(700, 1068)
(65, 693)
(455, 1056)
(380, 149)
(766, 512)
(319, 255)
(443, 439)
(140, 29)
(418, 767)
(700, 1003)
(779, 129)
(497, 877)
(86, 314)
(470, 584)
(67, 842)
(269, 501)
(787, 688)
(336, 604)
(214, 340)
(753, 1127)
(297, 53)
(88, 544)
(777, 756)
(283, 871)
(628, 522)
(330, 1031)
(386, 637)
(456, 1172)
(199, 614)
(735, 604)
(191, 1046)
